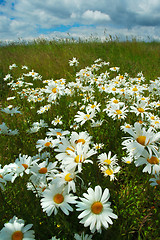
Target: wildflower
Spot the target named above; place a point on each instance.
(98, 123)
(141, 139)
(110, 170)
(155, 181)
(83, 236)
(45, 143)
(96, 211)
(73, 62)
(15, 229)
(55, 197)
(76, 158)
(152, 162)
(57, 120)
(66, 178)
(12, 66)
(10, 110)
(140, 108)
(57, 132)
(107, 160)
(81, 117)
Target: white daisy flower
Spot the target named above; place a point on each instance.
(152, 162)
(141, 139)
(83, 236)
(155, 181)
(45, 143)
(15, 229)
(57, 197)
(96, 211)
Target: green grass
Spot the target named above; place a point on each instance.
(133, 199)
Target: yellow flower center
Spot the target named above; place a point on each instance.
(141, 140)
(118, 111)
(115, 101)
(140, 110)
(103, 88)
(47, 144)
(59, 134)
(1, 176)
(54, 90)
(18, 235)
(58, 198)
(153, 160)
(78, 159)
(93, 106)
(114, 89)
(156, 122)
(80, 140)
(25, 165)
(122, 90)
(43, 170)
(87, 116)
(128, 162)
(97, 207)
(109, 171)
(108, 161)
(127, 126)
(135, 89)
(68, 178)
(152, 118)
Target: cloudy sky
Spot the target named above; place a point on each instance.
(30, 19)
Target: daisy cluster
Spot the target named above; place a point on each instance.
(55, 173)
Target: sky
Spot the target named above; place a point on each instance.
(54, 19)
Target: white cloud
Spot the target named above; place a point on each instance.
(95, 16)
(24, 18)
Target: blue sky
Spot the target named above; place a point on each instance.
(30, 19)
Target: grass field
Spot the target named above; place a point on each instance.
(90, 88)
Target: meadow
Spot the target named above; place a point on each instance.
(79, 134)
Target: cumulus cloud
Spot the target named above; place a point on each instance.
(95, 16)
(25, 18)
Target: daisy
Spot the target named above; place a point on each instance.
(114, 69)
(54, 238)
(152, 162)
(83, 236)
(3, 128)
(82, 117)
(141, 139)
(42, 170)
(10, 110)
(45, 143)
(117, 112)
(110, 171)
(82, 137)
(98, 123)
(155, 181)
(140, 108)
(57, 120)
(107, 160)
(55, 197)
(80, 156)
(73, 62)
(66, 178)
(94, 106)
(15, 229)
(97, 146)
(57, 132)
(96, 211)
